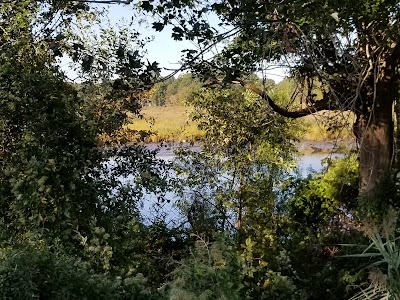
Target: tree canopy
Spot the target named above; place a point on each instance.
(348, 51)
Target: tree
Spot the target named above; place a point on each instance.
(175, 91)
(230, 186)
(283, 227)
(54, 176)
(158, 96)
(348, 51)
(65, 200)
(235, 152)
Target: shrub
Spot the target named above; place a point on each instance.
(212, 272)
(33, 272)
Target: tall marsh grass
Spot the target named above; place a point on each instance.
(167, 123)
(328, 126)
(173, 124)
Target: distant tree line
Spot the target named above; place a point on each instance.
(182, 89)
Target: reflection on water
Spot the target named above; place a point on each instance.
(307, 162)
(313, 161)
(151, 209)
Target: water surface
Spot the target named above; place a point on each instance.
(151, 209)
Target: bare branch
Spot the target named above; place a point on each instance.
(188, 64)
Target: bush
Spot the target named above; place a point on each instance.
(40, 273)
(211, 272)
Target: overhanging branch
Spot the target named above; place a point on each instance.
(320, 105)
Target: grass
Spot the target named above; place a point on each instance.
(328, 126)
(172, 124)
(169, 124)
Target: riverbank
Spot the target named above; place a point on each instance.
(305, 147)
(331, 146)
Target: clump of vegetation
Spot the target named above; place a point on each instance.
(42, 272)
(384, 270)
(211, 271)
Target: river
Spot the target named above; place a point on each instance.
(151, 209)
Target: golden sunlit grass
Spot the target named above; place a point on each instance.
(172, 124)
(168, 123)
(317, 126)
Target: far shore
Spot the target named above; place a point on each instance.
(306, 147)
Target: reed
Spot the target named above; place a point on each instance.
(327, 126)
(169, 123)
(172, 124)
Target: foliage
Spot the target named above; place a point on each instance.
(330, 194)
(56, 181)
(372, 207)
(329, 48)
(174, 91)
(384, 253)
(42, 158)
(286, 242)
(54, 178)
(58, 184)
(316, 45)
(236, 123)
(317, 213)
(229, 185)
(40, 272)
(70, 220)
(210, 272)
(235, 182)
(236, 156)
(294, 239)
(158, 94)
(127, 247)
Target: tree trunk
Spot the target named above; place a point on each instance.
(375, 134)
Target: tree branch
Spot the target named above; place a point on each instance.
(320, 105)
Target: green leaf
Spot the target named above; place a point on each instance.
(158, 26)
(147, 6)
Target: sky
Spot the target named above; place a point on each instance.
(163, 49)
